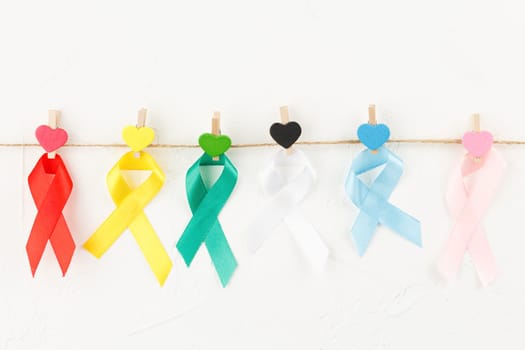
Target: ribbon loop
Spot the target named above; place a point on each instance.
(468, 202)
(50, 186)
(373, 200)
(206, 205)
(129, 214)
(287, 193)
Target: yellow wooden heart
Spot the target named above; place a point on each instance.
(138, 138)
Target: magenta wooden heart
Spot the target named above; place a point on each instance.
(50, 139)
(478, 143)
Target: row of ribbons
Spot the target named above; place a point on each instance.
(51, 185)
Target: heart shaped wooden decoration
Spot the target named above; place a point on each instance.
(138, 138)
(477, 143)
(285, 134)
(214, 145)
(51, 139)
(373, 136)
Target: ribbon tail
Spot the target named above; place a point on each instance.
(402, 223)
(308, 240)
(197, 230)
(111, 229)
(35, 246)
(202, 221)
(151, 247)
(483, 258)
(363, 231)
(49, 212)
(455, 248)
(221, 254)
(260, 229)
(188, 245)
(63, 244)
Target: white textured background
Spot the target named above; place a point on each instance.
(427, 65)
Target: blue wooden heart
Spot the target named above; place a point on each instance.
(373, 136)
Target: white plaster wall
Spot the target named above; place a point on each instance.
(427, 66)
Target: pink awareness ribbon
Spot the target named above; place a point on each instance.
(468, 199)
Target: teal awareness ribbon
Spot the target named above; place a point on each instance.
(204, 226)
(373, 201)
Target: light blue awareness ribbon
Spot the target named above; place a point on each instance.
(373, 200)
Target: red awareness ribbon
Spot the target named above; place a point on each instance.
(50, 186)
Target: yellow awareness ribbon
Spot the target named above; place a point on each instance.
(129, 214)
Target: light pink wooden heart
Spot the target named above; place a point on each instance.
(50, 139)
(478, 143)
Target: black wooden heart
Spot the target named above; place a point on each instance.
(285, 134)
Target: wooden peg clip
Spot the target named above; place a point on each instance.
(476, 121)
(141, 122)
(216, 127)
(372, 120)
(53, 119)
(476, 127)
(285, 118)
(141, 117)
(372, 114)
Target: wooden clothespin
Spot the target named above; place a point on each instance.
(476, 121)
(141, 117)
(476, 128)
(53, 119)
(285, 118)
(372, 119)
(216, 127)
(141, 122)
(372, 114)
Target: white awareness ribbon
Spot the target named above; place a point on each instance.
(287, 193)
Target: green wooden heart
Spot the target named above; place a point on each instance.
(214, 145)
